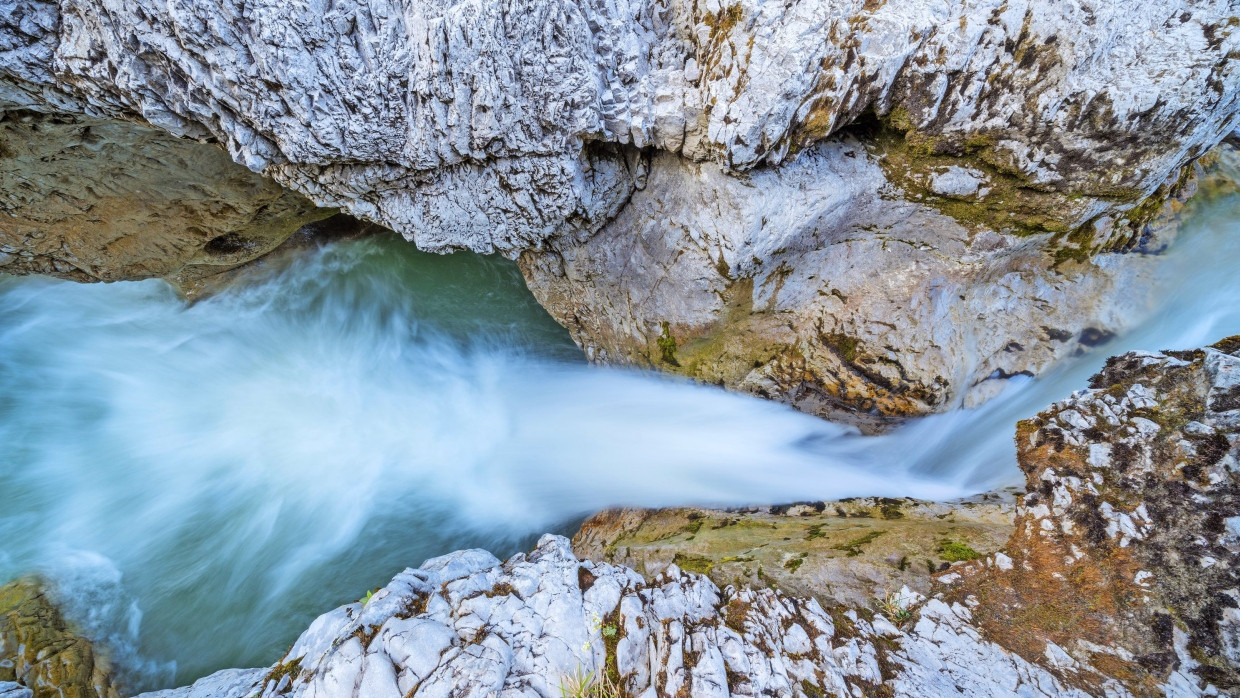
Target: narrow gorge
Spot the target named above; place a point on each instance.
(746, 299)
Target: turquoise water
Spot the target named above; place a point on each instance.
(200, 481)
(203, 479)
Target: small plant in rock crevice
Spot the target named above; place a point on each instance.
(667, 345)
(854, 547)
(589, 684)
(608, 679)
(895, 606)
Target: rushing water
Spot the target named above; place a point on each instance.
(203, 480)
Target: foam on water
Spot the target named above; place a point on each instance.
(203, 480)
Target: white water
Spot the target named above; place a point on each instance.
(202, 481)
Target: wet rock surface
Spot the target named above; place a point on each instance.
(855, 552)
(1119, 579)
(40, 654)
(93, 199)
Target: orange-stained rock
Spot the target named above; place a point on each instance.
(1125, 562)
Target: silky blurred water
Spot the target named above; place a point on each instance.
(201, 480)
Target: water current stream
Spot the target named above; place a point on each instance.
(200, 481)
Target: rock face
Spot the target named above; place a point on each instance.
(95, 199)
(851, 552)
(40, 656)
(12, 689)
(463, 123)
(1121, 578)
(1125, 563)
(466, 624)
(819, 284)
(751, 192)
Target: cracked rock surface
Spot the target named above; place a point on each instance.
(41, 656)
(462, 123)
(852, 552)
(818, 284)
(467, 624)
(1124, 568)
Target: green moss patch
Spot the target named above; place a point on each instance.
(854, 546)
(667, 346)
(291, 669)
(955, 551)
(694, 563)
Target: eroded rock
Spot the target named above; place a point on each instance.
(467, 624)
(461, 124)
(12, 689)
(93, 199)
(40, 654)
(1124, 569)
(820, 284)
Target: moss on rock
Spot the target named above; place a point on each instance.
(1008, 200)
(41, 651)
(849, 551)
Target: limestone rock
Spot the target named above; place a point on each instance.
(466, 624)
(12, 689)
(40, 655)
(94, 199)
(855, 552)
(467, 123)
(957, 181)
(229, 682)
(820, 285)
(1125, 566)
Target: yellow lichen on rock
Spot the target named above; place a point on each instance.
(39, 650)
